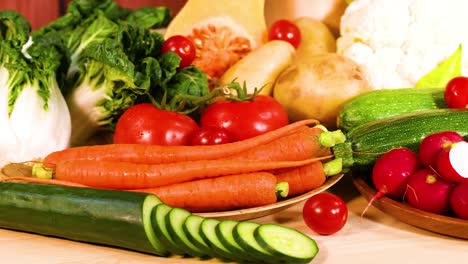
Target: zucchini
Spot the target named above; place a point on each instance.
(366, 143)
(107, 217)
(379, 104)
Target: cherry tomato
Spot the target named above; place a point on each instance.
(285, 30)
(210, 136)
(245, 119)
(456, 92)
(147, 124)
(325, 213)
(183, 46)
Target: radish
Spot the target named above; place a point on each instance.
(429, 192)
(459, 200)
(390, 173)
(432, 144)
(452, 162)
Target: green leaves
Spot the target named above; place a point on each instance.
(444, 72)
(14, 28)
(150, 17)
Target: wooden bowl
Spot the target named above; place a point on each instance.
(256, 212)
(441, 224)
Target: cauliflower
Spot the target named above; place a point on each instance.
(396, 42)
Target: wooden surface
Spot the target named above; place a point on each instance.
(378, 238)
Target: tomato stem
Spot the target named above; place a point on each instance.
(235, 92)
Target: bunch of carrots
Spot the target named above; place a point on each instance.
(258, 171)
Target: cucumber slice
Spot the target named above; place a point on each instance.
(191, 228)
(224, 231)
(243, 234)
(287, 244)
(158, 220)
(208, 233)
(107, 217)
(148, 205)
(175, 221)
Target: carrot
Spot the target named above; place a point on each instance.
(154, 154)
(303, 144)
(304, 178)
(220, 193)
(124, 175)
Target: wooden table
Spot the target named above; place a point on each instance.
(376, 239)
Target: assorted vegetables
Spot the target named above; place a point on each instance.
(189, 139)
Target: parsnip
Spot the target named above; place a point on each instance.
(261, 67)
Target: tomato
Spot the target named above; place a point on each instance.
(184, 48)
(456, 92)
(147, 124)
(285, 30)
(325, 213)
(245, 119)
(210, 136)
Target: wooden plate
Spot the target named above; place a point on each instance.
(256, 212)
(445, 225)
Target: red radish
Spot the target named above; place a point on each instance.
(459, 200)
(429, 192)
(390, 173)
(452, 162)
(432, 144)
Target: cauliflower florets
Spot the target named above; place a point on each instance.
(396, 42)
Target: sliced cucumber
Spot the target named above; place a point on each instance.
(191, 228)
(158, 220)
(208, 233)
(287, 244)
(224, 231)
(175, 220)
(243, 234)
(148, 205)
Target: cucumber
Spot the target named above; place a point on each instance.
(208, 233)
(158, 220)
(175, 221)
(224, 231)
(379, 104)
(191, 228)
(107, 217)
(286, 244)
(244, 235)
(366, 143)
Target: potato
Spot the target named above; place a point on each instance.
(316, 38)
(318, 87)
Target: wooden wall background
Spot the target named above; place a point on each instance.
(41, 12)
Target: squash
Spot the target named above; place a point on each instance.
(367, 142)
(223, 31)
